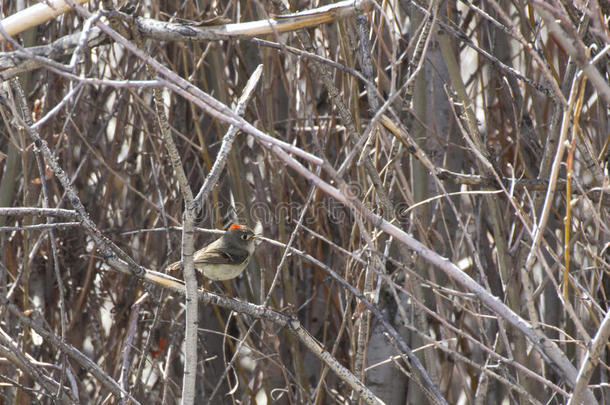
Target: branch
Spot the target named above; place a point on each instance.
(188, 223)
(573, 45)
(12, 352)
(276, 24)
(214, 107)
(261, 312)
(73, 353)
(41, 12)
(590, 361)
(112, 254)
(549, 349)
(227, 140)
(52, 212)
(35, 15)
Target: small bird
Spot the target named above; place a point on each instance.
(225, 258)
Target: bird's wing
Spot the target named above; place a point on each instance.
(216, 256)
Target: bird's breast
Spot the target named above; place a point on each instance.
(219, 272)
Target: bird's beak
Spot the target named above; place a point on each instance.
(257, 235)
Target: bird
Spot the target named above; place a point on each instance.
(226, 257)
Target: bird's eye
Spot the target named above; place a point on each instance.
(244, 236)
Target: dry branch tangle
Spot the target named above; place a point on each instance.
(12, 63)
(41, 13)
(463, 178)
